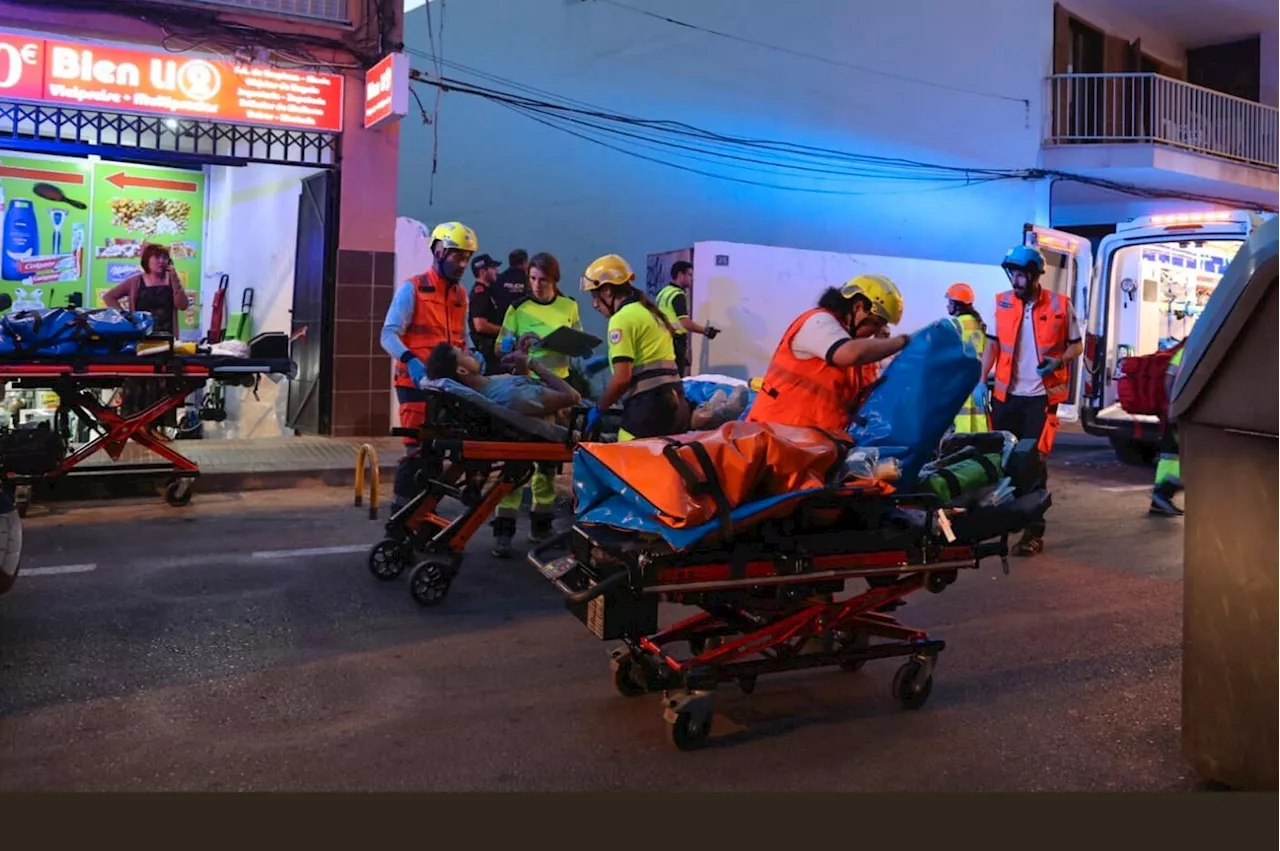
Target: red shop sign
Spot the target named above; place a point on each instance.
(127, 80)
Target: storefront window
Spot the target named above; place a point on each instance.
(74, 224)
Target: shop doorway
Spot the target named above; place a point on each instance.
(312, 310)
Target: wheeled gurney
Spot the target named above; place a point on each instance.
(476, 452)
(766, 573)
(77, 379)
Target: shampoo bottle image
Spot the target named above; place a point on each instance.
(21, 237)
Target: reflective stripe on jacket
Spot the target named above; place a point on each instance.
(666, 302)
(805, 391)
(972, 417)
(1052, 316)
(439, 315)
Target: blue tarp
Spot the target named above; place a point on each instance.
(62, 332)
(917, 398)
(602, 498)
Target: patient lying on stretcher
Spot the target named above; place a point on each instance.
(542, 396)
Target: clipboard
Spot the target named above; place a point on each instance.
(566, 341)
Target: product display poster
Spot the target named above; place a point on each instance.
(45, 208)
(134, 205)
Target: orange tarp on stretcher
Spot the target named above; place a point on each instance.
(746, 462)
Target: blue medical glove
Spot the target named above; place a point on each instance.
(1048, 365)
(593, 417)
(417, 371)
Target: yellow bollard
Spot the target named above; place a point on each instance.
(367, 455)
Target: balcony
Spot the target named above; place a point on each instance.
(1160, 133)
(329, 11)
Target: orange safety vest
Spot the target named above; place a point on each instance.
(439, 315)
(1051, 315)
(805, 391)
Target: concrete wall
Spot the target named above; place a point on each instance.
(957, 84)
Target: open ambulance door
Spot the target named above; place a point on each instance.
(1068, 262)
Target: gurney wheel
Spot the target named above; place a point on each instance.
(429, 583)
(388, 559)
(624, 678)
(908, 687)
(686, 734)
(860, 641)
(179, 492)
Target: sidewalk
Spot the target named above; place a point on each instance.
(284, 462)
(270, 463)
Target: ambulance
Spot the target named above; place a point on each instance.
(1142, 293)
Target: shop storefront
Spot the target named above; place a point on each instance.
(232, 167)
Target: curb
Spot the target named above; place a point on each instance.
(284, 479)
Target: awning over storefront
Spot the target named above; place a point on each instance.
(56, 93)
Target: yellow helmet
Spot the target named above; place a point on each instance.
(455, 235)
(885, 298)
(609, 269)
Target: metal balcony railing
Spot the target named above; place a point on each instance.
(333, 11)
(1132, 108)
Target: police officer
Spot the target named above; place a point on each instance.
(513, 283)
(673, 301)
(641, 352)
(486, 321)
(527, 321)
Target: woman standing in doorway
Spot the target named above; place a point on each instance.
(157, 290)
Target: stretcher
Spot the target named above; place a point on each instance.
(473, 451)
(768, 572)
(77, 381)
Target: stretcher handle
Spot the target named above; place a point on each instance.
(585, 596)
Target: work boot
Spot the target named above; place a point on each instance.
(1162, 501)
(1175, 485)
(504, 529)
(539, 527)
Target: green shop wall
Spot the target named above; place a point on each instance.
(45, 205)
(137, 204)
(78, 226)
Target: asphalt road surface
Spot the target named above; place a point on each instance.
(240, 644)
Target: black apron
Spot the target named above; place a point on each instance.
(142, 393)
(158, 301)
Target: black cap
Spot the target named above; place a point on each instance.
(481, 262)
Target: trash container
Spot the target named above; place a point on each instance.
(1225, 406)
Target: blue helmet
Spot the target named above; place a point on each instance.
(1024, 257)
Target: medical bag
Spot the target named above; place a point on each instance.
(1141, 386)
(963, 477)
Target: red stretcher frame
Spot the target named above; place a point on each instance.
(72, 381)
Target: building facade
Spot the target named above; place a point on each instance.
(256, 110)
(916, 129)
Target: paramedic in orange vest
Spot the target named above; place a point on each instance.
(427, 310)
(817, 372)
(1036, 338)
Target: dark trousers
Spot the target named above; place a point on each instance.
(681, 343)
(1025, 417)
(413, 413)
